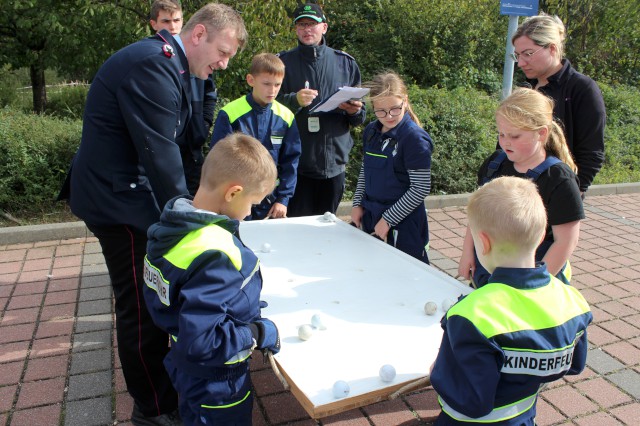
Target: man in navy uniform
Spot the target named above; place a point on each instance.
(128, 166)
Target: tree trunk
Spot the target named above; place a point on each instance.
(38, 86)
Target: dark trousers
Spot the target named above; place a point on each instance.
(141, 345)
(316, 196)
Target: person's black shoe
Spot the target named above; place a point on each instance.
(169, 419)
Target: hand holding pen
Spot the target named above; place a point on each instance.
(306, 96)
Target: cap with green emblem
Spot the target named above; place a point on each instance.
(309, 10)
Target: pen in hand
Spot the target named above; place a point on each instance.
(306, 84)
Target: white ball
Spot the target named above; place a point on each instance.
(430, 308)
(327, 215)
(447, 304)
(305, 332)
(317, 322)
(266, 248)
(340, 389)
(332, 217)
(387, 373)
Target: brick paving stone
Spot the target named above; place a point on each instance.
(92, 340)
(599, 336)
(257, 417)
(16, 333)
(36, 265)
(84, 362)
(61, 297)
(47, 415)
(23, 289)
(59, 327)
(624, 351)
(10, 267)
(26, 301)
(628, 380)
(570, 402)
(93, 323)
(11, 372)
(58, 311)
(425, 404)
(89, 385)
(67, 261)
(96, 293)
(95, 281)
(628, 414)
(124, 406)
(587, 373)
(40, 253)
(94, 307)
(63, 284)
(602, 362)
(546, 414)
(16, 351)
(621, 328)
(592, 296)
(265, 382)
(58, 345)
(12, 255)
(7, 394)
(633, 302)
(599, 315)
(613, 291)
(282, 408)
(8, 278)
(5, 292)
(602, 392)
(394, 412)
(91, 412)
(597, 419)
(69, 249)
(47, 368)
(49, 391)
(348, 418)
(71, 271)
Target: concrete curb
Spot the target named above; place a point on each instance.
(63, 231)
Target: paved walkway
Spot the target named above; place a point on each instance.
(58, 365)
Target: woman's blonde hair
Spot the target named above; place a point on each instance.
(528, 109)
(544, 30)
(387, 84)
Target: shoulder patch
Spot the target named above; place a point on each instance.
(343, 53)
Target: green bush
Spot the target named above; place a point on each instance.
(621, 135)
(67, 101)
(34, 157)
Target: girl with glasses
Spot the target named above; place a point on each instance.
(395, 175)
(539, 51)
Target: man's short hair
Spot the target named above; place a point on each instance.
(217, 17)
(242, 159)
(510, 210)
(266, 63)
(171, 6)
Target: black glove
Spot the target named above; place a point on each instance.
(266, 334)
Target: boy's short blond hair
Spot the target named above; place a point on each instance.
(510, 210)
(266, 63)
(240, 159)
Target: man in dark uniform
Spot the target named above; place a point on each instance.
(313, 72)
(128, 166)
(167, 15)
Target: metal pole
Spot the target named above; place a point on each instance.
(507, 74)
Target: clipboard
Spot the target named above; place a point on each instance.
(343, 94)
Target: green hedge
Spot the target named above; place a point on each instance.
(36, 151)
(35, 154)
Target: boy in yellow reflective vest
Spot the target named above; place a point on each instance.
(203, 285)
(522, 329)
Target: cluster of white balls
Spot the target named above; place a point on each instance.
(430, 308)
(305, 331)
(341, 388)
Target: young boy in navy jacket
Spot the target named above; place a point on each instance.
(203, 285)
(259, 114)
(522, 329)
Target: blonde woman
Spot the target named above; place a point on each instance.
(539, 51)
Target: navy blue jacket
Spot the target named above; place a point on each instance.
(128, 164)
(324, 153)
(275, 127)
(202, 287)
(579, 106)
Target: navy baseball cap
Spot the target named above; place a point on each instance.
(309, 10)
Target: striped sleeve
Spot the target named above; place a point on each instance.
(359, 193)
(419, 188)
